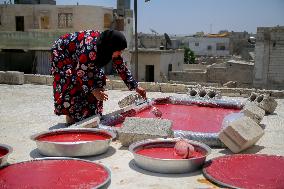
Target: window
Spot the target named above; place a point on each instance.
(196, 44)
(209, 47)
(44, 22)
(220, 46)
(107, 20)
(20, 24)
(65, 20)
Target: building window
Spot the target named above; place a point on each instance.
(44, 22)
(220, 46)
(209, 47)
(196, 44)
(65, 20)
(20, 23)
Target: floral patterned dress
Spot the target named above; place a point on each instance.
(76, 75)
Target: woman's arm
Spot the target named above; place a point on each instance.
(126, 76)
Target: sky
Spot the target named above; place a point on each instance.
(191, 16)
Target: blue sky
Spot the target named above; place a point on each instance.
(190, 16)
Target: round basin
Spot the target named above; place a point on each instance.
(73, 142)
(157, 155)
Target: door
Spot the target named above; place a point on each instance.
(150, 73)
(20, 25)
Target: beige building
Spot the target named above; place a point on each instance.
(269, 60)
(27, 31)
(44, 17)
(155, 65)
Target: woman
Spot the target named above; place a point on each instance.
(77, 60)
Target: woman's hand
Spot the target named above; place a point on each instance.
(141, 91)
(100, 94)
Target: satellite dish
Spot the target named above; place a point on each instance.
(168, 40)
(153, 31)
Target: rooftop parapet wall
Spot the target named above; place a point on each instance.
(162, 87)
(32, 40)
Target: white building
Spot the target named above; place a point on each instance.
(209, 46)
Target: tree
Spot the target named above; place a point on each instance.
(189, 57)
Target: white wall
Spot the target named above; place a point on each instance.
(204, 42)
(160, 59)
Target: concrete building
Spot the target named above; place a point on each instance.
(232, 70)
(27, 30)
(269, 60)
(155, 65)
(209, 45)
(239, 45)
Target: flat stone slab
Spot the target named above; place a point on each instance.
(136, 129)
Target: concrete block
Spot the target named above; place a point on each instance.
(90, 122)
(167, 88)
(118, 85)
(14, 78)
(254, 112)
(267, 103)
(241, 134)
(108, 84)
(180, 88)
(277, 94)
(136, 129)
(49, 80)
(231, 84)
(150, 86)
(35, 79)
(2, 77)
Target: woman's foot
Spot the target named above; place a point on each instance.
(69, 120)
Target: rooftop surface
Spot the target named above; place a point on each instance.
(28, 109)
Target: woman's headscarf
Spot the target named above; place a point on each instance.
(109, 42)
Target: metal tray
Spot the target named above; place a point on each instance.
(3, 159)
(104, 184)
(73, 149)
(168, 165)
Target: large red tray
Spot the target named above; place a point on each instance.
(57, 173)
(246, 171)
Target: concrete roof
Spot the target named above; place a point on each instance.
(28, 109)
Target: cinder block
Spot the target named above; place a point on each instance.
(241, 134)
(2, 77)
(35, 79)
(150, 87)
(167, 88)
(14, 78)
(90, 122)
(136, 129)
(254, 112)
(180, 88)
(118, 85)
(267, 103)
(49, 80)
(108, 84)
